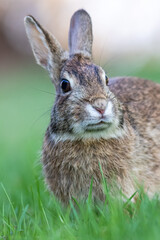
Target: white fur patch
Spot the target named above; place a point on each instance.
(109, 110)
(95, 114)
(103, 75)
(92, 111)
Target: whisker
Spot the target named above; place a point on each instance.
(42, 115)
(44, 91)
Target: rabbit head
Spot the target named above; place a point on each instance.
(84, 106)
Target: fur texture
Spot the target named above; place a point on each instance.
(115, 124)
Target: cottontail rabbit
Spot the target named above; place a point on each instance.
(115, 123)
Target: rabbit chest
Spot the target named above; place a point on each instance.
(69, 166)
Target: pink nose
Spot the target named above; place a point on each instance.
(100, 110)
(100, 105)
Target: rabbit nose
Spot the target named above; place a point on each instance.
(100, 110)
(100, 105)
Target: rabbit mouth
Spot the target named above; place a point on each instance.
(99, 126)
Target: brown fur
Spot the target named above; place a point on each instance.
(128, 147)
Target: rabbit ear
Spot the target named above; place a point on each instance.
(80, 34)
(45, 47)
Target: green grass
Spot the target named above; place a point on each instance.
(27, 209)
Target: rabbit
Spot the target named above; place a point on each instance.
(95, 121)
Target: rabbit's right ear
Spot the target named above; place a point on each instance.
(80, 34)
(46, 49)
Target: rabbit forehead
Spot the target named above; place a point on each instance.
(83, 71)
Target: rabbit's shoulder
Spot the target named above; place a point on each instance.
(141, 99)
(136, 91)
(133, 86)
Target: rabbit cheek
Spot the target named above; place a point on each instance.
(77, 114)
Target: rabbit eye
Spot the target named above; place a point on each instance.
(65, 85)
(106, 80)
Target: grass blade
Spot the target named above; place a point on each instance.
(19, 227)
(44, 213)
(89, 199)
(10, 202)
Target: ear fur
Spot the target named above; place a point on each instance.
(80, 34)
(46, 49)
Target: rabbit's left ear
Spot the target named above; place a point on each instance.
(80, 34)
(46, 49)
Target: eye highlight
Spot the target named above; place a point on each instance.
(106, 78)
(65, 85)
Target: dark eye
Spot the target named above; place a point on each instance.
(106, 80)
(65, 85)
